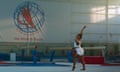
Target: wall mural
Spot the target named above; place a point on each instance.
(29, 19)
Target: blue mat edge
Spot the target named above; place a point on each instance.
(32, 64)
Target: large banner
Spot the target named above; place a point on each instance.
(35, 21)
(58, 21)
(21, 21)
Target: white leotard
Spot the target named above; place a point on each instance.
(79, 49)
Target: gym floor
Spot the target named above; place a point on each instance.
(63, 67)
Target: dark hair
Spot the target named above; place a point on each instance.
(80, 35)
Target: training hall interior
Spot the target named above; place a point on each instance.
(44, 30)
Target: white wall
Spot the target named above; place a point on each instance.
(58, 16)
(100, 16)
(65, 18)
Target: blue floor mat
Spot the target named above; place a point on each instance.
(32, 64)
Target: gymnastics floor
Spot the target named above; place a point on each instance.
(59, 67)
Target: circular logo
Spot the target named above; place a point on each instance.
(29, 17)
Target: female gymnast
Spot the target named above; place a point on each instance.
(78, 51)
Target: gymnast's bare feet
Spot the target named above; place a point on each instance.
(73, 68)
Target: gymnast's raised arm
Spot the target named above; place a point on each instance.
(81, 32)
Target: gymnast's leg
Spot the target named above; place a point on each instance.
(74, 60)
